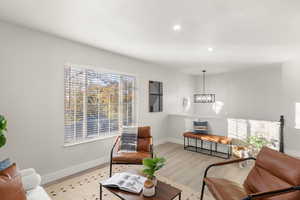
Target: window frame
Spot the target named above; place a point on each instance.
(159, 95)
(102, 70)
(252, 128)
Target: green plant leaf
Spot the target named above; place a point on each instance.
(151, 165)
(148, 162)
(2, 140)
(149, 172)
(257, 141)
(3, 123)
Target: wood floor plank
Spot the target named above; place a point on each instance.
(187, 168)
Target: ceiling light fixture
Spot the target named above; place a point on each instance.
(210, 49)
(177, 27)
(204, 97)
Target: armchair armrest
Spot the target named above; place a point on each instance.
(272, 193)
(30, 179)
(115, 144)
(226, 163)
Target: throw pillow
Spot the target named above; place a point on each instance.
(11, 187)
(129, 139)
(201, 127)
(5, 164)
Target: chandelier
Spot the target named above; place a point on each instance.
(204, 97)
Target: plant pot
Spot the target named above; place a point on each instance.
(149, 188)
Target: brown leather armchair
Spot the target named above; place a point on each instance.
(144, 150)
(275, 176)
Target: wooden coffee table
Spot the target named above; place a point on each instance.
(163, 192)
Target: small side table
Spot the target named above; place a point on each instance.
(163, 192)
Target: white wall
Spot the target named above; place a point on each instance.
(291, 95)
(259, 93)
(249, 94)
(31, 97)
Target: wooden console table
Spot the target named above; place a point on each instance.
(213, 140)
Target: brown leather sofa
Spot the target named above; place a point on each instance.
(275, 176)
(144, 150)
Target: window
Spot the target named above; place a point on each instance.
(97, 104)
(155, 96)
(267, 129)
(242, 129)
(237, 128)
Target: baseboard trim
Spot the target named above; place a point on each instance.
(161, 141)
(292, 153)
(174, 140)
(47, 178)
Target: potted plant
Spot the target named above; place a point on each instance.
(151, 165)
(256, 143)
(3, 129)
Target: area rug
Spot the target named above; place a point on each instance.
(86, 186)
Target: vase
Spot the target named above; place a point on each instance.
(149, 188)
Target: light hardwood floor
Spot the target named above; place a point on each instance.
(187, 168)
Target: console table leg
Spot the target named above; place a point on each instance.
(100, 191)
(216, 147)
(229, 151)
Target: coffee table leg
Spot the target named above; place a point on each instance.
(100, 191)
(180, 196)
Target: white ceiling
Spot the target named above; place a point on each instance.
(243, 33)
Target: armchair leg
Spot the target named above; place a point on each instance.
(202, 191)
(110, 168)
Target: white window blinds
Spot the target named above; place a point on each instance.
(237, 128)
(242, 129)
(97, 104)
(270, 130)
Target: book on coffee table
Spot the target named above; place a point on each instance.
(126, 181)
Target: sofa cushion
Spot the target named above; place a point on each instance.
(223, 189)
(11, 184)
(37, 194)
(30, 179)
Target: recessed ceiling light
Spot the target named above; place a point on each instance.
(210, 49)
(177, 27)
